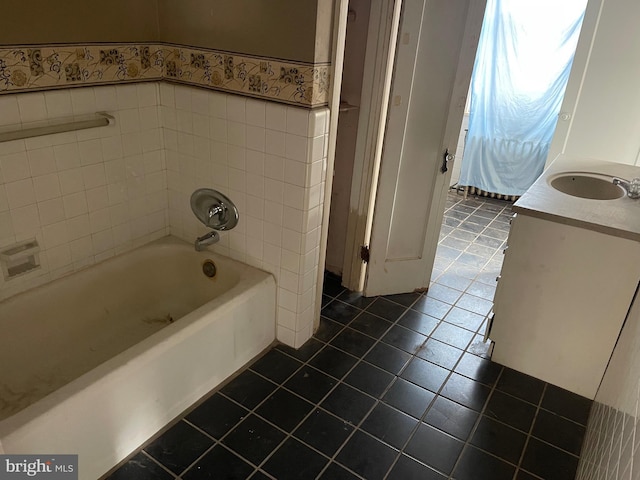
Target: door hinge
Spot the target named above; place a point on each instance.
(364, 253)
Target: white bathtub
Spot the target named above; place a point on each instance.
(97, 362)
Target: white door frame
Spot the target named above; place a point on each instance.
(384, 23)
(383, 26)
(337, 63)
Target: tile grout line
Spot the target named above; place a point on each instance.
(530, 433)
(360, 359)
(475, 426)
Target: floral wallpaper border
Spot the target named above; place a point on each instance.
(31, 68)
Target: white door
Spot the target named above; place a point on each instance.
(437, 43)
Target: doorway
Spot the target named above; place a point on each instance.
(512, 116)
(410, 111)
(350, 98)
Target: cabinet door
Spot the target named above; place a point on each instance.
(561, 300)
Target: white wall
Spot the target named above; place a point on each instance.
(612, 437)
(270, 160)
(86, 195)
(602, 97)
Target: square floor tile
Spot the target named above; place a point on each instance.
(435, 448)
(454, 281)
(451, 417)
(479, 347)
(348, 403)
(406, 468)
(323, 432)
(310, 383)
(464, 270)
(275, 365)
(440, 353)
(386, 309)
(452, 335)
(521, 385)
(332, 284)
(557, 431)
(295, 461)
(425, 374)
(405, 299)
(455, 243)
(217, 415)
(466, 392)
(387, 357)
(475, 304)
(254, 439)
(474, 261)
(510, 410)
(489, 241)
(284, 409)
(389, 425)
(522, 475)
(367, 456)
(482, 250)
(179, 447)
(408, 397)
(325, 300)
(249, 389)
(141, 467)
(340, 312)
(369, 379)
(477, 465)
(548, 462)
(482, 290)
(465, 319)
(337, 472)
(480, 219)
(352, 342)
(370, 324)
(432, 307)
(327, 329)
(444, 294)
(356, 299)
(449, 253)
(305, 352)
(567, 404)
(479, 369)
(419, 322)
(333, 361)
(499, 439)
(404, 339)
(464, 235)
(488, 276)
(219, 463)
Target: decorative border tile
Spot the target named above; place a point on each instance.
(44, 67)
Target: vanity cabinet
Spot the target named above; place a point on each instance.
(561, 300)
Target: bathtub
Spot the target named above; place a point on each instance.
(97, 362)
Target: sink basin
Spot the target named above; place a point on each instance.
(583, 185)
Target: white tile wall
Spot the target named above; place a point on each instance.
(270, 160)
(611, 447)
(84, 195)
(88, 195)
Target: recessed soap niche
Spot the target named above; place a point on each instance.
(20, 258)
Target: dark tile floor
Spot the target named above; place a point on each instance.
(396, 387)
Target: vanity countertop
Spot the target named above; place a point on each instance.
(619, 217)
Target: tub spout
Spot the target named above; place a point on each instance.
(206, 239)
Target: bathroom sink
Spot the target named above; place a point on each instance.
(584, 185)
